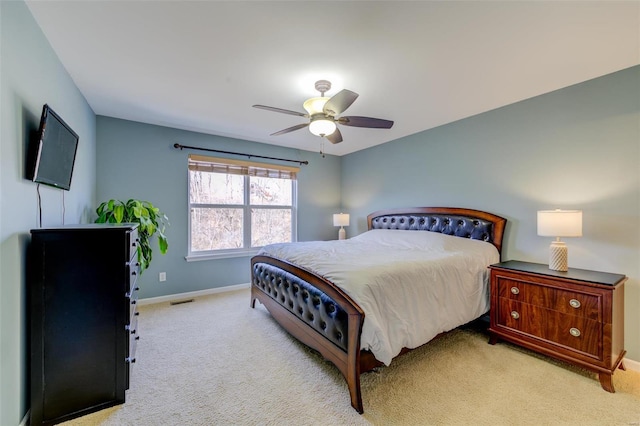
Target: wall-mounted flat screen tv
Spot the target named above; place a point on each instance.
(55, 151)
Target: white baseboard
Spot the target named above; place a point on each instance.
(191, 294)
(632, 365)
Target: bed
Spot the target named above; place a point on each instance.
(319, 293)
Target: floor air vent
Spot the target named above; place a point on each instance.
(180, 302)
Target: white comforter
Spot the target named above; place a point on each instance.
(412, 285)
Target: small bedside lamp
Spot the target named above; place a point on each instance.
(341, 220)
(559, 223)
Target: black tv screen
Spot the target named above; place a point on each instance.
(55, 152)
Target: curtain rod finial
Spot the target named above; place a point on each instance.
(177, 145)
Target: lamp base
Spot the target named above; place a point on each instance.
(558, 256)
(342, 234)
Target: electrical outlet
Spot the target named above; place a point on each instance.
(162, 276)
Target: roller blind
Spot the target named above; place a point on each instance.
(203, 163)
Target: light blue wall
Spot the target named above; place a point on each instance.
(576, 148)
(138, 160)
(30, 76)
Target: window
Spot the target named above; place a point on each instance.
(236, 206)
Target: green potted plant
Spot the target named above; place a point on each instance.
(150, 221)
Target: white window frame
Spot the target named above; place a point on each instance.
(246, 250)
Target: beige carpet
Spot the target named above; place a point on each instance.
(216, 361)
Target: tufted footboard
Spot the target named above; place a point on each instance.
(314, 311)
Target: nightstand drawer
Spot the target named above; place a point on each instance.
(568, 302)
(577, 333)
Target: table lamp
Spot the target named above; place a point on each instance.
(341, 220)
(559, 223)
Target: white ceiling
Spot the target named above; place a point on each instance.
(201, 65)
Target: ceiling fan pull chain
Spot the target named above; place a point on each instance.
(322, 147)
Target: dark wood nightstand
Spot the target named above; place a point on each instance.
(575, 316)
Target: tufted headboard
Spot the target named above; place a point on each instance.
(460, 222)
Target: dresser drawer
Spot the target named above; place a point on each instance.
(577, 333)
(133, 269)
(132, 300)
(567, 302)
(133, 333)
(133, 310)
(133, 245)
(132, 345)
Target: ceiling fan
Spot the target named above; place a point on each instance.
(322, 112)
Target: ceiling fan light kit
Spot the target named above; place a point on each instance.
(321, 126)
(322, 111)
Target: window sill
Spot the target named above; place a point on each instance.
(224, 255)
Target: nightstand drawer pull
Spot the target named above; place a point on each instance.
(574, 332)
(515, 315)
(574, 303)
(515, 290)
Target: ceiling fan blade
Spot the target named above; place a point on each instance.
(373, 123)
(335, 137)
(340, 102)
(290, 129)
(283, 111)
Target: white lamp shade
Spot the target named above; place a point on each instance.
(315, 105)
(560, 223)
(341, 219)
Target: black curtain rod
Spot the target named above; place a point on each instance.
(180, 147)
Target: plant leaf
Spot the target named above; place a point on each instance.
(164, 245)
(118, 213)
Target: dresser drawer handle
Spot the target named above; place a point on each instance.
(515, 290)
(575, 303)
(515, 315)
(574, 332)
